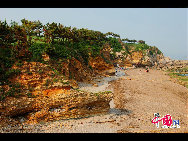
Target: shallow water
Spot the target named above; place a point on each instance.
(102, 83)
(183, 74)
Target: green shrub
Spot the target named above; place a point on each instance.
(158, 51)
(151, 52)
(15, 90)
(40, 71)
(29, 73)
(19, 64)
(30, 95)
(6, 62)
(90, 67)
(48, 82)
(115, 44)
(37, 49)
(56, 51)
(55, 80)
(12, 72)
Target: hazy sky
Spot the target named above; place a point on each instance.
(165, 28)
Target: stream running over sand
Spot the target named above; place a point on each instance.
(102, 83)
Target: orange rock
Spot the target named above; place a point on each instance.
(46, 57)
(99, 65)
(95, 85)
(137, 56)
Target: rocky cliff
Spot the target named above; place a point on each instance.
(49, 90)
(138, 58)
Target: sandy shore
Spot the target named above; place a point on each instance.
(138, 94)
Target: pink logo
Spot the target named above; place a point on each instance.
(166, 121)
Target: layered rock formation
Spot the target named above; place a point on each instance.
(57, 104)
(76, 70)
(99, 65)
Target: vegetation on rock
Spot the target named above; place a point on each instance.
(67, 51)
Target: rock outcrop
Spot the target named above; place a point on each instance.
(99, 65)
(77, 70)
(57, 104)
(12, 106)
(137, 57)
(168, 64)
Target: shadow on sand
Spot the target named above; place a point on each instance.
(119, 111)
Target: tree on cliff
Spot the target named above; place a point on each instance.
(37, 28)
(141, 42)
(111, 34)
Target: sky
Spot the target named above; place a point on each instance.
(165, 28)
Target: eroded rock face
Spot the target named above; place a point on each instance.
(12, 106)
(99, 65)
(128, 61)
(33, 74)
(147, 61)
(73, 105)
(137, 57)
(106, 51)
(56, 103)
(76, 70)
